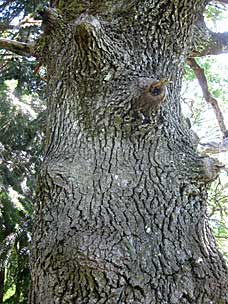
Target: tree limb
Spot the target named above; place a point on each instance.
(20, 48)
(200, 75)
(222, 1)
(214, 147)
(206, 42)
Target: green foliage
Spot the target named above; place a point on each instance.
(204, 123)
(20, 146)
(216, 71)
(214, 13)
(14, 238)
(189, 74)
(12, 9)
(9, 215)
(22, 118)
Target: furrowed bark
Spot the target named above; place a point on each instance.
(121, 216)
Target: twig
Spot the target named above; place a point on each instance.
(200, 75)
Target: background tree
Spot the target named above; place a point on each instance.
(132, 227)
(21, 122)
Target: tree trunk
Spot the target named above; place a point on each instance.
(122, 192)
(2, 279)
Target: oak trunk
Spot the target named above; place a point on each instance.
(122, 198)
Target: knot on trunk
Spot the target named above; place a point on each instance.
(210, 169)
(87, 22)
(152, 93)
(87, 27)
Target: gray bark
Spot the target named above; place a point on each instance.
(121, 216)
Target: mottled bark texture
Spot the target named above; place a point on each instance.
(121, 216)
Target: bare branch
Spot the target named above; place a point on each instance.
(20, 48)
(200, 75)
(214, 147)
(222, 1)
